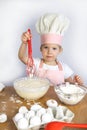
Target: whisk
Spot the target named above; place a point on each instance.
(30, 65)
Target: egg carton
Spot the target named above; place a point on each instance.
(60, 113)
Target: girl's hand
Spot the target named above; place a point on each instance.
(25, 37)
(78, 79)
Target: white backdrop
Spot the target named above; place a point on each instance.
(16, 16)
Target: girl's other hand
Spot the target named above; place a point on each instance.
(78, 79)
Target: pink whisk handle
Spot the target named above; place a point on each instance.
(29, 45)
(30, 65)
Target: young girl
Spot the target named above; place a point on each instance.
(51, 28)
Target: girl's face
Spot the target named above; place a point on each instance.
(50, 52)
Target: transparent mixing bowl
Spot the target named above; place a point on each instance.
(31, 88)
(70, 93)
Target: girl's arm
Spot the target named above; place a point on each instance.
(22, 53)
(70, 80)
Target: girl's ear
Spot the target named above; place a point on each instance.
(41, 48)
(60, 49)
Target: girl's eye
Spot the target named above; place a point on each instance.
(54, 48)
(45, 47)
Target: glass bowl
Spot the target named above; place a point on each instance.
(70, 94)
(31, 88)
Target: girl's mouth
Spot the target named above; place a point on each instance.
(49, 56)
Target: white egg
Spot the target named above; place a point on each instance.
(23, 109)
(3, 118)
(52, 103)
(35, 121)
(46, 118)
(18, 116)
(23, 123)
(35, 107)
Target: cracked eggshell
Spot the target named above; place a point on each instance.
(52, 103)
(2, 86)
(3, 118)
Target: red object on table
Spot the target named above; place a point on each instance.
(60, 125)
(30, 64)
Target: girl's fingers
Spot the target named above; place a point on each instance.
(78, 79)
(27, 35)
(24, 38)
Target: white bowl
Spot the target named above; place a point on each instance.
(31, 88)
(70, 93)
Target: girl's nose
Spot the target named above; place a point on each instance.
(49, 50)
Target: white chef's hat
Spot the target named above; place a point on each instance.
(51, 28)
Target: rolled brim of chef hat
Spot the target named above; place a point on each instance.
(51, 39)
